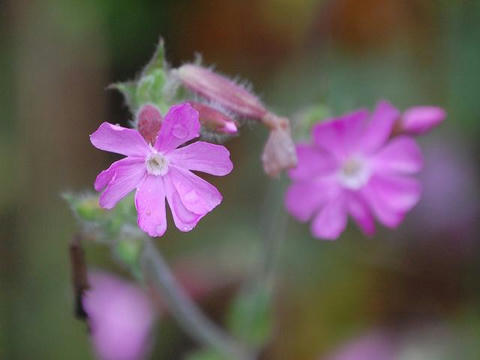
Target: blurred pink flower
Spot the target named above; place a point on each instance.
(120, 317)
(419, 120)
(416, 341)
(162, 170)
(373, 346)
(352, 168)
(450, 182)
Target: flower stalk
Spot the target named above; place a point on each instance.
(188, 315)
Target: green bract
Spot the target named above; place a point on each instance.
(150, 86)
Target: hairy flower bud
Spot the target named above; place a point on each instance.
(149, 121)
(419, 120)
(213, 119)
(221, 90)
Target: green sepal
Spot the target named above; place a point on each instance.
(149, 87)
(104, 223)
(250, 317)
(157, 62)
(85, 207)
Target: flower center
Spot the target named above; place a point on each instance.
(354, 173)
(157, 164)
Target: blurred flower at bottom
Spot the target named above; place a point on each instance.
(373, 346)
(427, 341)
(120, 317)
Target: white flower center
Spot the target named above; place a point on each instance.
(354, 173)
(157, 164)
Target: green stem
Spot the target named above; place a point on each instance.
(188, 315)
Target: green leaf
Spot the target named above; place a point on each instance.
(250, 317)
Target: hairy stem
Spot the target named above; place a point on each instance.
(188, 315)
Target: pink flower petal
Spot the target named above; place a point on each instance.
(360, 212)
(340, 134)
(181, 124)
(197, 195)
(117, 139)
(380, 126)
(331, 220)
(202, 156)
(302, 199)
(402, 154)
(184, 219)
(150, 204)
(107, 175)
(419, 120)
(312, 162)
(390, 197)
(126, 179)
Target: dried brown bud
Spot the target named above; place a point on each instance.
(279, 153)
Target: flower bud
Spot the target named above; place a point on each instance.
(214, 120)
(279, 153)
(419, 120)
(221, 90)
(149, 121)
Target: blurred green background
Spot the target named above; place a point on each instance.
(58, 56)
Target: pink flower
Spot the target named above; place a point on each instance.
(162, 170)
(120, 317)
(352, 168)
(419, 120)
(372, 346)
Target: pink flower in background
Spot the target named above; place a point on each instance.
(352, 167)
(420, 341)
(120, 317)
(450, 182)
(372, 346)
(161, 171)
